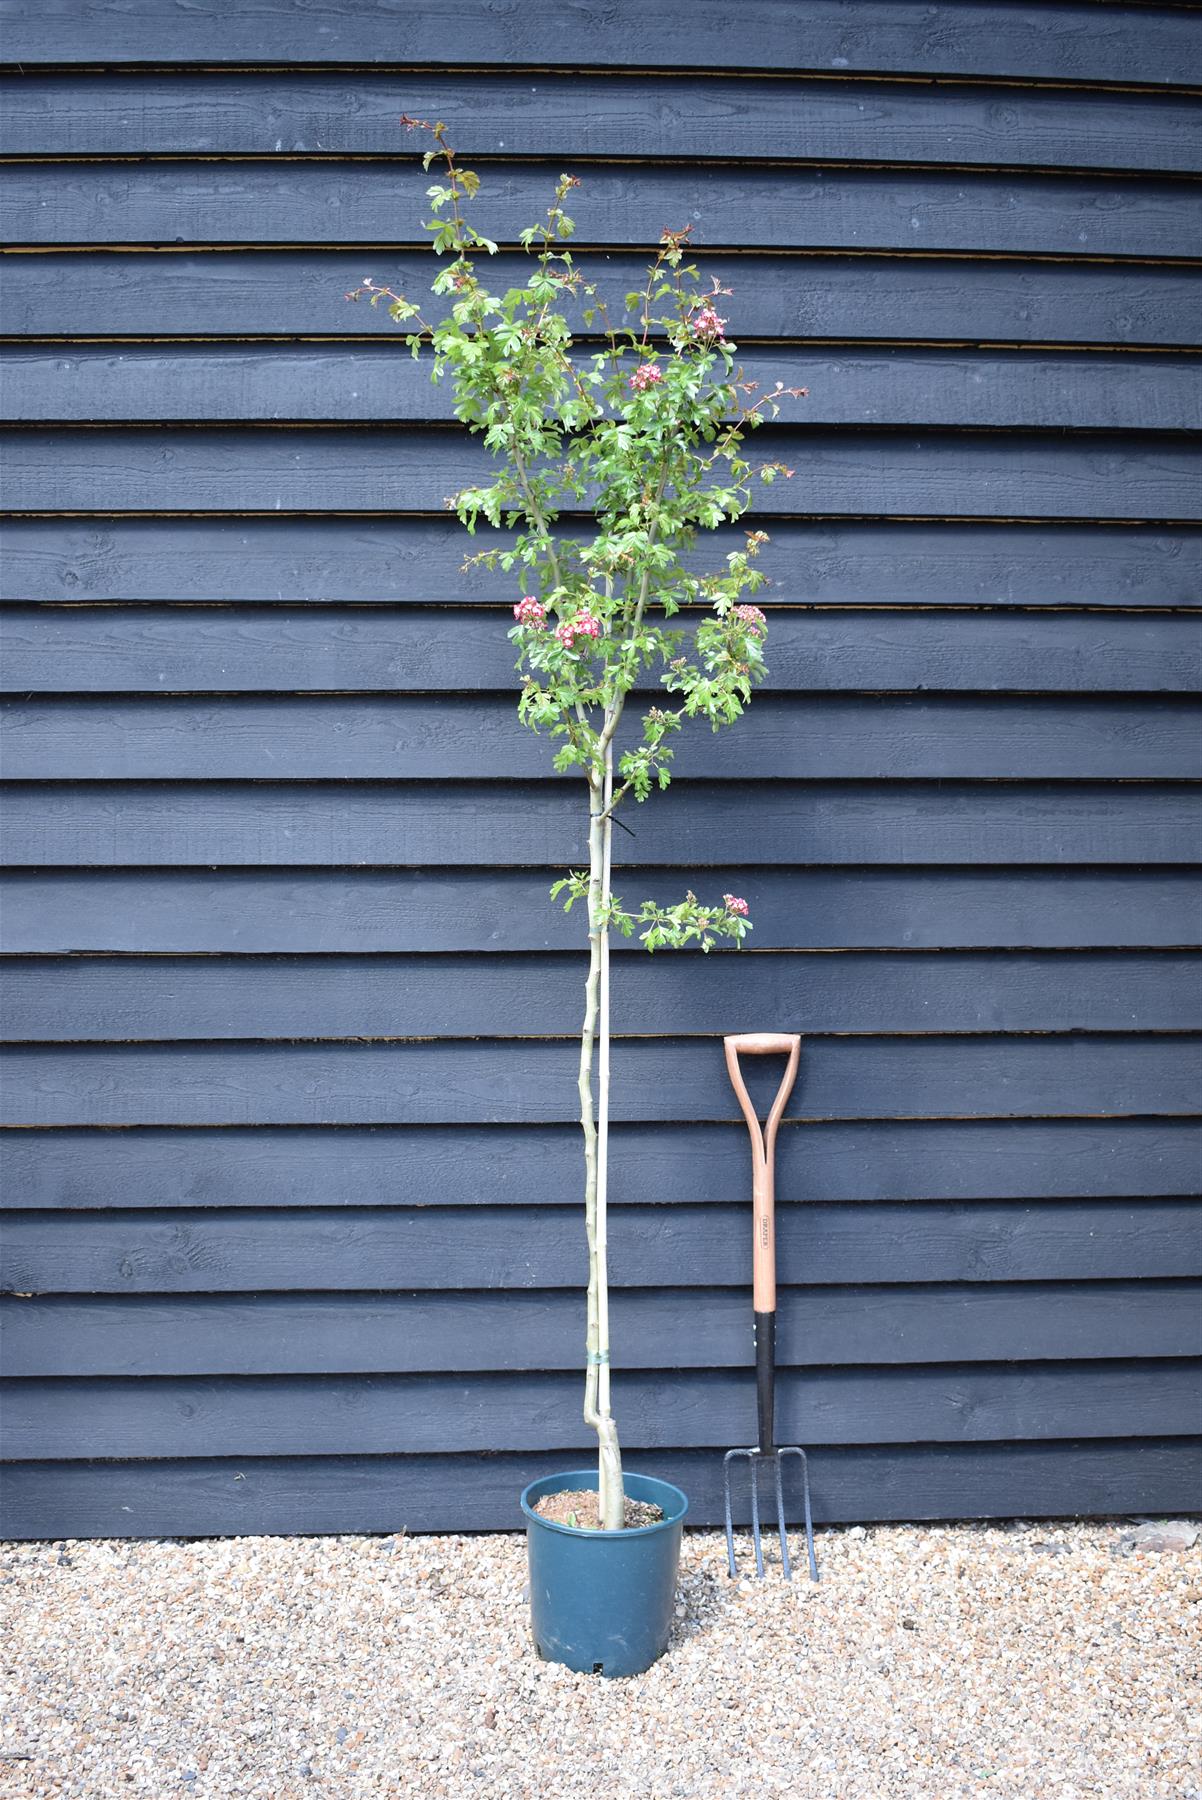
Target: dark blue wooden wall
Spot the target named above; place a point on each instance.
(292, 1231)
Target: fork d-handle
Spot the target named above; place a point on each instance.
(763, 1207)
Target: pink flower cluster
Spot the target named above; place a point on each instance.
(707, 324)
(734, 905)
(585, 625)
(752, 620)
(645, 376)
(530, 612)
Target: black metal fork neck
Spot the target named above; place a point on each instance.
(765, 1378)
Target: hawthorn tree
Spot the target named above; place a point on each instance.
(644, 438)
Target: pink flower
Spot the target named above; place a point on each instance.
(751, 619)
(645, 376)
(734, 905)
(707, 324)
(586, 624)
(530, 612)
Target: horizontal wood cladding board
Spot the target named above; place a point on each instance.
(356, 383)
(714, 117)
(287, 1495)
(165, 912)
(702, 824)
(242, 293)
(524, 1080)
(138, 649)
(1081, 42)
(384, 562)
(365, 1333)
(353, 383)
(379, 1414)
(468, 737)
(257, 469)
(527, 1165)
(445, 1249)
(132, 998)
(383, 202)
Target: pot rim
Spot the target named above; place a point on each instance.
(587, 1478)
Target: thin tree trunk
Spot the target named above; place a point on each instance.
(603, 1389)
(595, 1124)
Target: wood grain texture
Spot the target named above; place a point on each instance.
(533, 824)
(1077, 42)
(468, 737)
(376, 203)
(528, 1165)
(243, 293)
(354, 912)
(422, 1414)
(714, 117)
(129, 650)
(181, 1497)
(369, 562)
(257, 469)
(135, 998)
(943, 476)
(245, 384)
(537, 1249)
(365, 1333)
(525, 1080)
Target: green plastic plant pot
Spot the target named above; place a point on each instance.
(601, 1602)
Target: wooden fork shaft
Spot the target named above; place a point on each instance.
(763, 1153)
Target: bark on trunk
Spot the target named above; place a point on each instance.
(594, 1120)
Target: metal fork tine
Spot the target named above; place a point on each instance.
(730, 1526)
(755, 1517)
(754, 1459)
(794, 1450)
(780, 1518)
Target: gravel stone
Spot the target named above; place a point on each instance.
(946, 1662)
(1163, 1534)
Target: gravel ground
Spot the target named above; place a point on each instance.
(935, 1663)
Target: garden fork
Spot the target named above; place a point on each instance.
(763, 1154)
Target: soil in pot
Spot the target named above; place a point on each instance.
(578, 1506)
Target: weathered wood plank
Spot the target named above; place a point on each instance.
(451, 1248)
(694, 116)
(355, 383)
(424, 1414)
(382, 562)
(360, 383)
(258, 469)
(137, 998)
(243, 293)
(445, 1493)
(375, 203)
(1081, 42)
(527, 1081)
(467, 737)
(533, 824)
(367, 911)
(526, 1165)
(328, 1334)
(137, 649)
